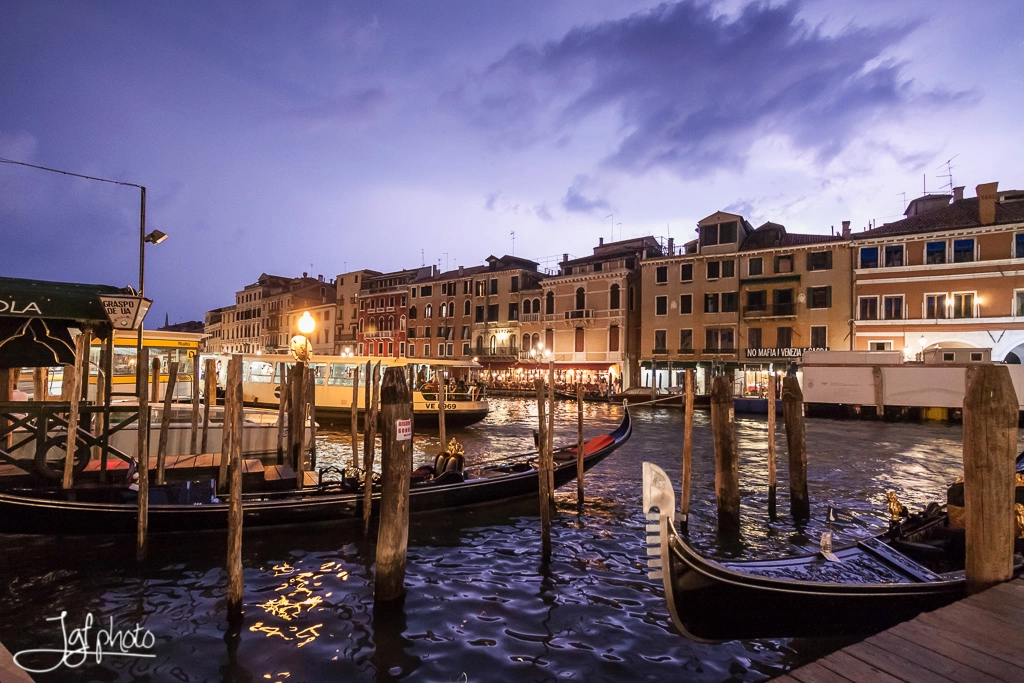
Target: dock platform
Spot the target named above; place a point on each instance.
(979, 638)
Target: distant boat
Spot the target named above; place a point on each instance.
(870, 586)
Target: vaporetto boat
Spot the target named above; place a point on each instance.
(335, 376)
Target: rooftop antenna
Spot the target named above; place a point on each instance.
(904, 194)
(423, 259)
(924, 184)
(620, 231)
(612, 216)
(948, 164)
(513, 233)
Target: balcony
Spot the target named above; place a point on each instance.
(581, 313)
(529, 317)
(659, 352)
(770, 311)
(498, 352)
(380, 334)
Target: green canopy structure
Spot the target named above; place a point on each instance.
(38, 318)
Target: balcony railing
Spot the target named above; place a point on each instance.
(381, 334)
(496, 352)
(529, 317)
(769, 311)
(580, 313)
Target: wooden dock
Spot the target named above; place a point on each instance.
(979, 638)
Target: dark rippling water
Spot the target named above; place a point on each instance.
(481, 606)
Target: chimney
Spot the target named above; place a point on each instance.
(565, 257)
(305, 274)
(987, 203)
(846, 230)
(320, 278)
(671, 245)
(462, 269)
(958, 193)
(600, 241)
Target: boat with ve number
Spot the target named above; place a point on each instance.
(337, 496)
(915, 566)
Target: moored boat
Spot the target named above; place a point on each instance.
(916, 566)
(195, 508)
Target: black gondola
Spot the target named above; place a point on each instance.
(113, 510)
(916, 566)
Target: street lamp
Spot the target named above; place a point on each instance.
(301, 347)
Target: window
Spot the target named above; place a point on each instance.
(428, 311)
(465, 307)
(426, 350)
(686, 272)
(513, 311)
(893, 307)
(963, 305)
(661, 305)
(935, 252)
(754, 338)
(819, 337)
(443, 310)
(549, 303)
(426, 331)
(718, 233)
(757, 301)
(719, 339)
(869, 257)
(934, 306)
(579, 340)
(728, 268)
(661, 274)
(426, 290)
(465, 332)
(782, 302)
(659, 341)
(1018, 301)
(819, 260)
(581, 299)
(784, 264)
(880, 346)
(730, 302)
(1018, 245)
(868, 307)
(685, 304)
(614, 298)
(479, 317)
(893, 255)
(685, 341)
(963, 250)
(711, 303)
(755, 266)
(515, 283)
(784, 338)
(819, 297)
(714, 270)
(613, 338)
(492, 313)
(494, 285)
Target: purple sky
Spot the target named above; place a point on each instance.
(284, 137)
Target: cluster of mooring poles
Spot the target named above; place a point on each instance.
(990, 418)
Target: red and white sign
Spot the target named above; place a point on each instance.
(403, 429)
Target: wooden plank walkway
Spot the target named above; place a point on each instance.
(979, 638)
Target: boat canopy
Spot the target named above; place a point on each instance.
(38, 319)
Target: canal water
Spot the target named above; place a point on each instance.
(481, 605)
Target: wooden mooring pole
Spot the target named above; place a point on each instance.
(296, 419)
(549, 468)
(990, 448)
(311, 414)
(370, 444)
(6, 391)
(193, 446)
(727, 474)
(396, 467)
(74, 392)
(355, 418)
(142, 466)
(283, 404)
(165, 422)
(441, 395)
(579, 443)
(233, 434)
(542, 467)
(210, 389)
(684, 499)
(772, 385)
(796, 439)
(155, 386)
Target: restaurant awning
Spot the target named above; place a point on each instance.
(37, 318)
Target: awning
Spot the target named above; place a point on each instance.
(37, 316)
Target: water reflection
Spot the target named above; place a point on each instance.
(481, 605)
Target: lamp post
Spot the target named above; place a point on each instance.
(155, 237)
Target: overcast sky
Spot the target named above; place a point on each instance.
(284, 137)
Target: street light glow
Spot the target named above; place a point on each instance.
(306, 323)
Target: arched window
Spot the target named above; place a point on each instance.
(479, 343)
(536, 305)
(494, 343)
(412, 313)
(380, 324)
(614, 302)
(526, 341)
(549, 307)
(360, 324)
(581, 299)
(465, 308)
(428, 311)
(444, 310)
(391, 322)
(526, 306)
(402, 323)
(535, 341)
(512, 343)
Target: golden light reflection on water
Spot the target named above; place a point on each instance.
(298, 597)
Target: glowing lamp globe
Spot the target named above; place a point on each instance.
(306, 323)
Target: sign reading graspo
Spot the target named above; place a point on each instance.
(123, 311)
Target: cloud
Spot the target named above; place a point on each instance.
(349, 107)
(575, 200)
(692, 89)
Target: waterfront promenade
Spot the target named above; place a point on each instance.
(979, 638)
